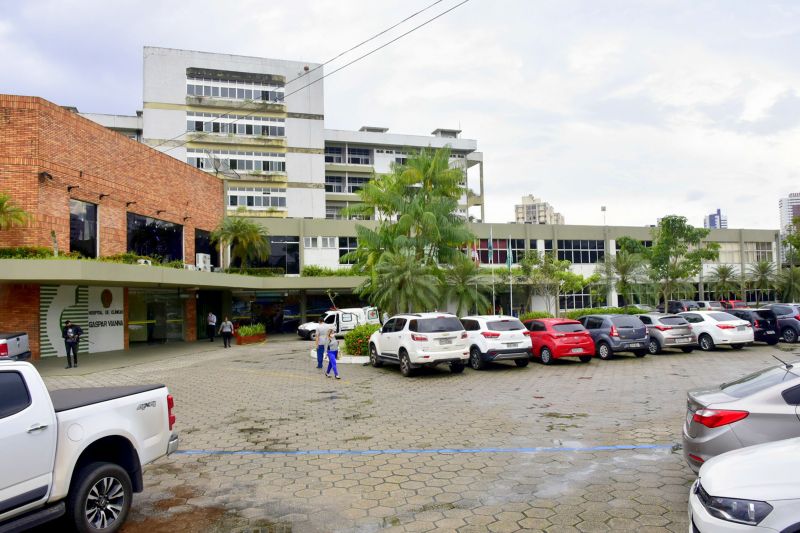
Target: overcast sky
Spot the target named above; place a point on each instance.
(649, 108)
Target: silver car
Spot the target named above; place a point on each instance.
(710, 305)
(668, 331)
(761, 407)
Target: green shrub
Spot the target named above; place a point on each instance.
(172, 264)
(257, 271)
(604, 311)
(357, 340)
(25, 252)
(314, 271)
(534, 314)
(249, 331)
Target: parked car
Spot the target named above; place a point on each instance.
(760, 407)
(76, 452)
(554, 338)
(496, 338)
(14, 346)
(733, 304)
(788, 320)
(764, 322)
(753, 489)
(709, 305)
(713, 328)
(616, 333)
(668, 331)
(419, 340)
(677, 306)
(341, 320)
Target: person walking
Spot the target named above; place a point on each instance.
(211, 326)
(72, 337)
(226, 330)
(322, 340)
(333, 351)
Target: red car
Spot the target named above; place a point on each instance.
(733, 304)
(553, 338)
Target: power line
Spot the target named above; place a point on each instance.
(245, 104)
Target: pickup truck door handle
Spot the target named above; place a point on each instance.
(37, 427)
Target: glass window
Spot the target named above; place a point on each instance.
(581, 251)
(626, 321)
(399, 324)
(505, 325)
(673, 321)
(722, 317)
(14, 396)
(646, 319)
(438, 324)
(155, 238)
(334, 183)
(568, 327)
(758, 381)
(83, 228)
(347, 245)
(537, 326)
(203, 245)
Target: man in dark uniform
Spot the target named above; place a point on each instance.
(72, 336)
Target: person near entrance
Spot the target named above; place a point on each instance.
(72, 337)
(322, 339)
(333, 352)
(226, 330)
(211, 326)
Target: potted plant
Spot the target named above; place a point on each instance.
(250, 334)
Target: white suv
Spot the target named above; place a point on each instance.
(496, 338)
(716, 327)
(420, 339)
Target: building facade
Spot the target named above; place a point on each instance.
(535, 210)
(715, 220)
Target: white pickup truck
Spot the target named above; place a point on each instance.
(341, 321)
(76, 452)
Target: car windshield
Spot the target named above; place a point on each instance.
(765, 314)
(673, 321)
(626, 321)
(440, 323)
(568, 327)
(758, 381)
(722, 317)
(714, 304)
(505, 325)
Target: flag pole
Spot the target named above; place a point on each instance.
(510, 278)
(491, 265)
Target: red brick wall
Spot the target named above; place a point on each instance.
(190, 316)
(20, 312)
(38, 135)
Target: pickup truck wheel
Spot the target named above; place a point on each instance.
(405, 365)
(475, 359)
(101, 498)
(373, 356)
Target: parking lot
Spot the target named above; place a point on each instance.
(268, 443)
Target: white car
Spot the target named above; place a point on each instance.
(750, 489)
(420, 339)
(710, 305)
(341, 320)
(496, 338)
(712, 328)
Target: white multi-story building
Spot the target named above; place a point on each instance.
(535, 210)
(715, 220)
(788, 208)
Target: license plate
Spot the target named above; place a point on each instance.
(682, 341)
(770, 332)
(739, 328)
(445, 341)
(634, 345)
(512, 344)
(577, 350)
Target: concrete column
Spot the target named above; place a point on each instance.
(303, 307)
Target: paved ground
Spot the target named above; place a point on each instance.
(270, 444)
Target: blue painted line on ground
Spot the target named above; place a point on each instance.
(543, 449)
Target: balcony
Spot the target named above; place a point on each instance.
(250, 141)
(209, 102)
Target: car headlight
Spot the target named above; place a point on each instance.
(750, 512)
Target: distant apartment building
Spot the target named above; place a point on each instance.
(716, 220)
(788, 209)
(534, 210)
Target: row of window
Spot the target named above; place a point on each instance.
(234, 93)
(222, 160)
(256, 201)
(341, 184)
(320, 242)
(353, 156)
(235, 124)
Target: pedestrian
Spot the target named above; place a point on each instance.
(385, 317)
(211, 326)
(322, 340)
(72, 337)
(226, 330)
(333, 351)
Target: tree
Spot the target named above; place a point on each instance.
(10, 214)
(623, 271)
(402, 284)
(762, 276)
(247, 239)
(724, 279)
(789, 284)
(545, 275)
(463, 284)
(792, 240)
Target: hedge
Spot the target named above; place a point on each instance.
(604, 311)
(314, 271)
(249, 331)
(535, 314)
(357, 340)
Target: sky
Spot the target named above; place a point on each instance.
(647, 108)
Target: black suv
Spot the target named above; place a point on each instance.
(678, 306)
(788, 320)
(764, 321)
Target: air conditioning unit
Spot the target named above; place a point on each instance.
(144, 262)
(189, 267)
(203, 262)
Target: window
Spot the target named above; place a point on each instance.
(83, 228)
(500, 247)
(399, 324)
(347, 245)
(581, 251)
(576, 300)
(693, 318)
(257, 198)
(14, 396)
(568, 328)
(333, 154)
(757, 251)
(594, 323)
(203, 245)
(328, 242)
(309, 242)
(333, 210)
(359, 156)
(334, 183)
(757, 382)
(438, 324)
(388, 327)
(226, 160)
(234, 90)
(505, 325)
(155, 238)
(729, 252)
(470, 325)
(646, 319)
(355, 184)
(537, 326)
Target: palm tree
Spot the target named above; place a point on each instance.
(247, 239)
(463, 284)
(724, 279)
(10, 214)
(401, 283)
(762, 276)
(789, 284)
(623, 271)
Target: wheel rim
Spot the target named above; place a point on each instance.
(104, 502)
(546, 355)
(704, 343)
(790, 335)
(404, 364)
(474, 359)
(653, 347)
(373, 356)
(313, 335)
(603, 351)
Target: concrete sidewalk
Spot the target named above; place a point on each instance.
(91, 363)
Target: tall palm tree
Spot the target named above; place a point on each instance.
(762, 276)
(724, 279)
(463, 284)
(789, 284)
(247, 239)
(402, 283)
(10, 214)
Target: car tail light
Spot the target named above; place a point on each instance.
(490, 334)
(419, 338)
(4, 350)
(663, 328)
(696, 458)
(749, 325)
(526, 333)
(797, 317)
(725, 326)
(714, 418)
(170, 406)
(614, 332)
(756, 324)
(464, 334)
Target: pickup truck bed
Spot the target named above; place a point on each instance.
(66, 399)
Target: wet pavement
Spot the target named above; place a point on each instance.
(269, 444)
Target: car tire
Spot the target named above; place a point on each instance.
(687, 350)
(706, 342)
(789, 335)
(585, 358)
(405, 365)
(457, 367)
(522, 363)
(312, 335)
(476, 359)
(737, 346)
(546, 356)
(640, 353)
(604, 351)
(772, 343)
(654, 347)
(95, 484)
(373, 357)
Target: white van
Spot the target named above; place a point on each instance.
(341, 320)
